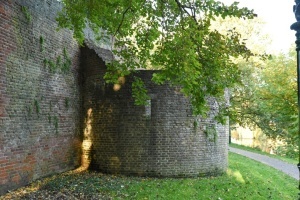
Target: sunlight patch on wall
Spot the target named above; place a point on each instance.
(87, 140)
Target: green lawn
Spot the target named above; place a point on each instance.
(245, 179)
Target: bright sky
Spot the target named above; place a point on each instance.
(278, 15)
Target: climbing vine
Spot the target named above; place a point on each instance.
(211, 133)
(37, 106)
(56, 64)
(26, 13)
(41, 43)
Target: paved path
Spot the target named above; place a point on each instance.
(287, 168)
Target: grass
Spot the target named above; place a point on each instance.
(245, 179)
(255, 150)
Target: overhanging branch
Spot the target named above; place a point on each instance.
(184, 9)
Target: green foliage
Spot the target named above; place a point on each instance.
(58, 61)
(268, 98)
(139, 92)
(45, 62)
(289, 151)
(211, 133)
(65, 52)
(66, 66)
(37, 106)
(41, 40)
(58, 64)
(41, 43)
(26, 13)
(52, 66)
(196, 124)
(174, 36)
(67, 102)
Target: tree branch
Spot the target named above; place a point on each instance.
(184, 7)
(123, 17)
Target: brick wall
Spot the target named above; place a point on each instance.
(39, 95)
(162, 139)
(56, 110)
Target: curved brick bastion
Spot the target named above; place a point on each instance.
(160, 139)
(52, 93)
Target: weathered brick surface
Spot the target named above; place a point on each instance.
(162, 139)
(39, 109)
(51, 118)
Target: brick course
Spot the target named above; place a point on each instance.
(163, 139)
(39, 134)
(53, 120)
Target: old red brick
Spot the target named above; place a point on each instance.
(2, 10)
(16, 178)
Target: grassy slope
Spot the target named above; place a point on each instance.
(245, 179)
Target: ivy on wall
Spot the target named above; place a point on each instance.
(26, 13)
(211, 133)
(42, 43)
(59, 64)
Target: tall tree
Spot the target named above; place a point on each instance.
(172, 35)
(270, 99)
(266, 97)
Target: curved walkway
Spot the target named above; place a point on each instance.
(287, 168)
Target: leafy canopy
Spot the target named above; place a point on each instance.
(267, 95)
(174, 36)
(269, 98)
